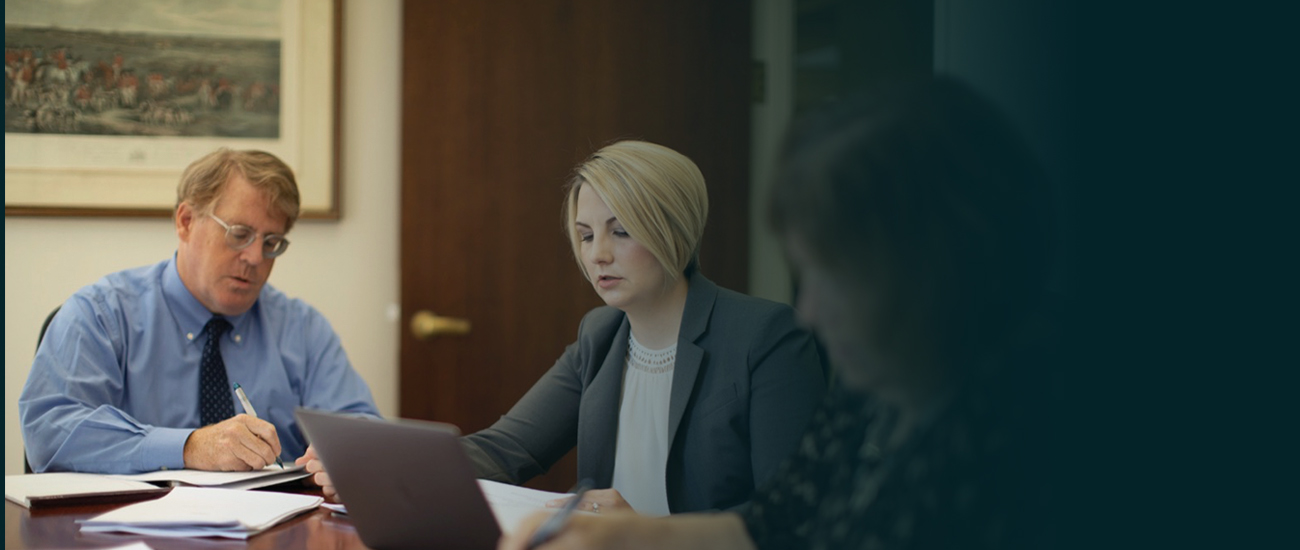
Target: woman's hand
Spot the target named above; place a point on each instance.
(600, 501)
(581, 531)
(319, 475)
(723, 531)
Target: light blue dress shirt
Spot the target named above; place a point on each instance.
(114, 386)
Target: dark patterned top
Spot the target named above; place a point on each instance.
(964, 478)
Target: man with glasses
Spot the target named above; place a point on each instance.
(136, 371)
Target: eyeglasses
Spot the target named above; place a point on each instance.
(239, 237)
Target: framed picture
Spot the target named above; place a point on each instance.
(107, 101)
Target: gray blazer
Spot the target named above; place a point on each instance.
(745, 384)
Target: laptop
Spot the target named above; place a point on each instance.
(406, 483)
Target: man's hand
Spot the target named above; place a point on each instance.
(318, 474)
(237, 444)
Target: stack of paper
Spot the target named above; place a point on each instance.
(510, 504)
(204, 512)
(68, 488)
(270, 475)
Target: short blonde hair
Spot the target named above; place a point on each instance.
(205, 179)
(657, 194)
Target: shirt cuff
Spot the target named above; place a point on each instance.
(164, 448)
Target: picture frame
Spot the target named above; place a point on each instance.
(136, 176)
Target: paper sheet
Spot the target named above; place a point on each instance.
(511, 503)
(204, 512)
(514, 495)
(138, 545)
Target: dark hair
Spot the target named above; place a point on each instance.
(925, 192)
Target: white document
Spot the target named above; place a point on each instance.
(204, 512)
(514, 495)
(27, 489)
(511, 503)
(269, 475)
(138, 545)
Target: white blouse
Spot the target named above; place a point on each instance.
(641, 454)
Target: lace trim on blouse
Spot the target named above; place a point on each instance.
(655, 361)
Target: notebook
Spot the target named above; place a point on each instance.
(270, 475)
(67, 488)
(407, 483)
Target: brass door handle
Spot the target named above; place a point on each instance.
(425, 324)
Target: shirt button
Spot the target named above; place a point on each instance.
(237, 338)
(189, 335)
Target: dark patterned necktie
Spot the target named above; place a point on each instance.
(215, 403)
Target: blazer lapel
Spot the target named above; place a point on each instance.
(695, 321)
(598, 419)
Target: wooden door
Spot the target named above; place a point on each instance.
(500, 100)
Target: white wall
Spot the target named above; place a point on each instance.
(347, 269)
(773, 43)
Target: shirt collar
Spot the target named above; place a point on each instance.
(191, 315)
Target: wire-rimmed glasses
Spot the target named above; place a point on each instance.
(239, 237)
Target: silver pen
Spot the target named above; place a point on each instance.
(554, 524)
(248, 408)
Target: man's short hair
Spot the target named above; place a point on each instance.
(204, 180)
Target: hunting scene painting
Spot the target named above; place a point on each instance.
(165, 68)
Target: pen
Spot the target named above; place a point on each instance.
(555, 523)
(248, 408)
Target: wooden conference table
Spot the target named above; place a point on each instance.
(56, 527)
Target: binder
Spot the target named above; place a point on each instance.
(271, 475)
(67, 488)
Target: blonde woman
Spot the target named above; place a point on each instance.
(679, 395)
